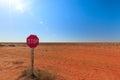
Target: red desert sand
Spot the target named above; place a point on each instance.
(73, 61)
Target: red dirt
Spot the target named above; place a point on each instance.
(73, 62)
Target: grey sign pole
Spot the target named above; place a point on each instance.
(32, 62)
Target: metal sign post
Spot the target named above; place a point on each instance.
(32, 62)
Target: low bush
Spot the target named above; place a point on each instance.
(38, 75)
(11, 45)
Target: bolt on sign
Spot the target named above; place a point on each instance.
(32, 41)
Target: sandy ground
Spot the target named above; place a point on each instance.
(73, 62)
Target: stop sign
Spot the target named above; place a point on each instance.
(32, 41)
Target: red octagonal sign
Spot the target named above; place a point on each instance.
(32, 41)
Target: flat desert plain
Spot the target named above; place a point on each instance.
(73, 61)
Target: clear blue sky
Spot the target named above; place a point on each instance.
(60, 20)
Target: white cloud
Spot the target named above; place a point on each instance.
(20, 8)
(41, 22)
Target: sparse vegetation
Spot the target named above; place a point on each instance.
(17, 62)
(11, 45)
(38, 75)
(2, 45)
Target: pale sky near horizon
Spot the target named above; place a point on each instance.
(60, 20)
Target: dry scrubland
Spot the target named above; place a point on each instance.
(72, 61)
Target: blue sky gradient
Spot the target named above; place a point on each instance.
(60, 20)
